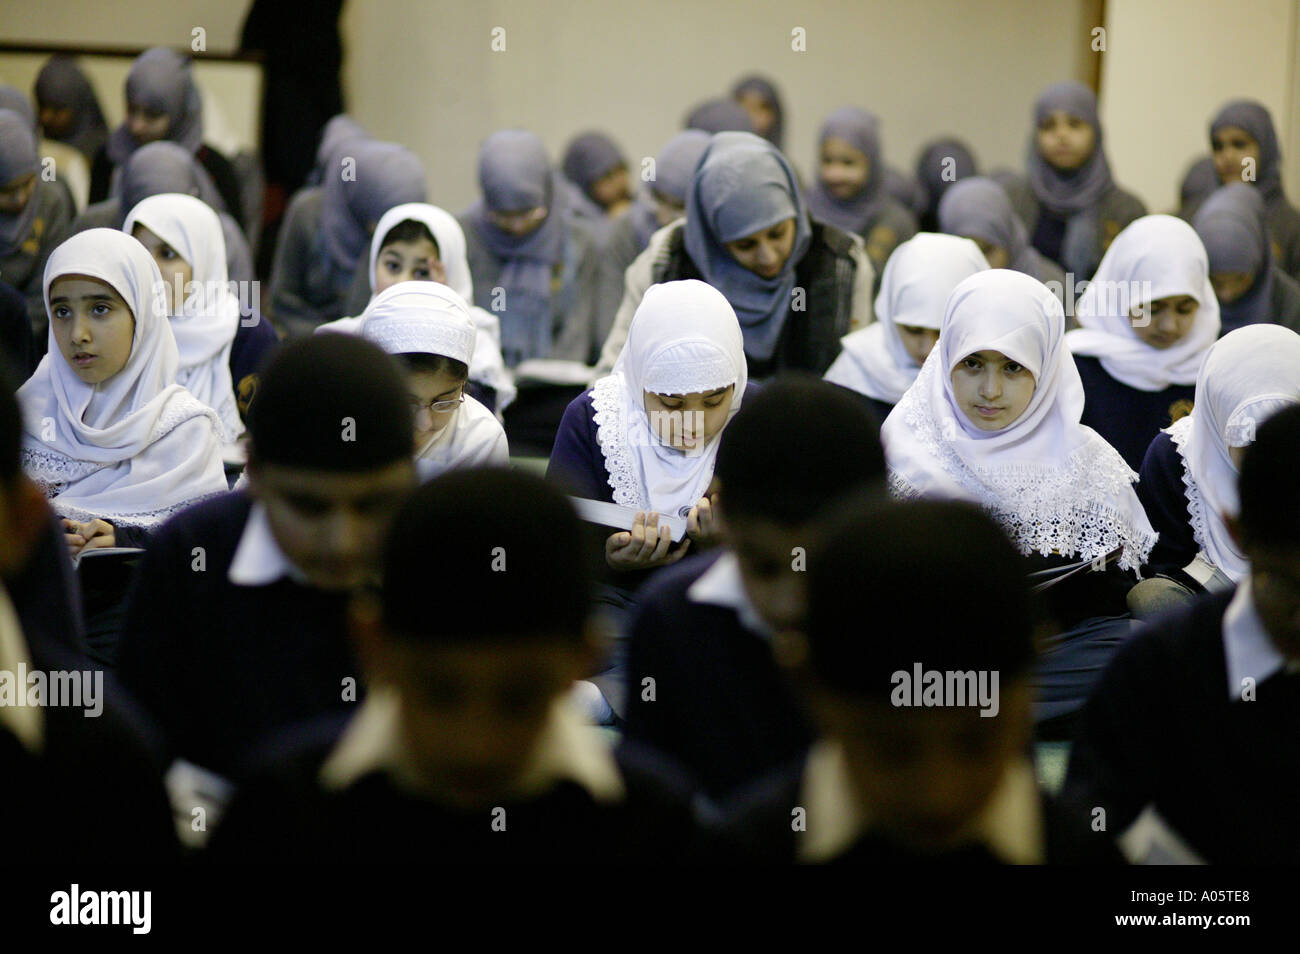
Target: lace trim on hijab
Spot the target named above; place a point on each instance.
(1181, 434)
(611, 435)
(54, 472)
(1045, 515)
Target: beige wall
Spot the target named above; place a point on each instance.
(1170, 64)
(425, 73)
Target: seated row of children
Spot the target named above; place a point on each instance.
(286, 638)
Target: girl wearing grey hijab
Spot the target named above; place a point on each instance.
(34, 217)
(1251, 289)
(852, 190)
(1245, 149)
(978, 209)
(797, 285)
(535, 263)
(162, 167)
(326, 233)
(69, 109)
(1071, 207)
(163, 102)
(662, 200)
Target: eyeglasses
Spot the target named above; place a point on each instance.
(436, 406)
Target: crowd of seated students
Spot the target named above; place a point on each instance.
(321, 616)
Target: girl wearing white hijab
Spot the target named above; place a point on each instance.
(647, 434)
(1146, 321)
(993, 417)
(183, 234)
(883, 359)
(429, 328)
(116, 443)
(416, 241)
(1189, 476)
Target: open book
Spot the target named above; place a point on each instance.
(1046, 579)
(553, 371)
(621, 518)
(101, 553)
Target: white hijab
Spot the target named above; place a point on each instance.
(423, 317)
(135, 448)
(684, 339)
(919, 276)
(1157, 256)
(1056, 485)
(205, 316)
(489, 367)
(1249, 375)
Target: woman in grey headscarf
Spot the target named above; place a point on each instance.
(535, 264)
(596, 168)
(162, 167)
(34, 217)
(851, 192)
(326, 233)
(978, 209)
(1071, 207)
(1245, 149)
(661, 201)
(797, 285)
(1251, 289)
(163, 102)
(69, 109)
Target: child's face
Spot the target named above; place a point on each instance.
(765, 252)
(519, 224)
(1275, 582)
(991, 389)
(689, 421)
(1232, 146)
(995, 255)
(331, 525)
(472, 715)
(1229, 286)
(1170, 320)
(56, 121)
(93, 327)
(918, 340)
(145, 125)
(844, 169)
(611, 188)
(761, 113)
(415, 261)
(1065, 141)
(14, 195)
(923, 775)
(427, 390)
(766, 552)
(176, 272)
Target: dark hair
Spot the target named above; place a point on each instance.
(892, 584)
(512, 563)
(1270, 507)
(796, 447)
(11, 426)
(331, 402)
(409, 230)
(435, 364)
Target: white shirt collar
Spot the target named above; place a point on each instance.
(566, 749)
(1247, 648)
(1010, 826)
(722, 585)
(258, 559)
